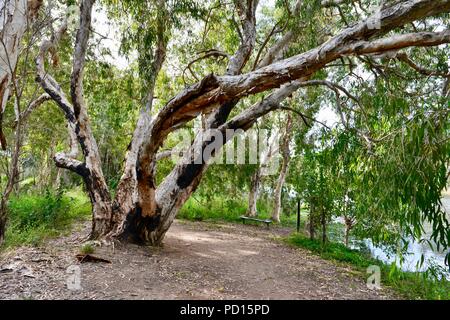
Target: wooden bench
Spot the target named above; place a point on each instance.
(266, 221)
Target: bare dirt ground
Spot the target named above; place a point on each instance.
(197, 261)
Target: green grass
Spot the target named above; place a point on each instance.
(202, 210)
(411, 285)
(36, 217)
(87, 249)
(218, 209)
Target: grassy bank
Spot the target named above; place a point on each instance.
(36, 217)
(411, 285)
(219, 209)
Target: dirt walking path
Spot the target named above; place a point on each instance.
(198, 261)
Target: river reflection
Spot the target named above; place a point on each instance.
(415, 250)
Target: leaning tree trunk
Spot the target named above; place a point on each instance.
(179, 185)
(285, 151)
(156, 206)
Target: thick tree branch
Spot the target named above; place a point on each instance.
(246, 10)
(64, 162)
(397, 42)
(213, 90)
(164, 155)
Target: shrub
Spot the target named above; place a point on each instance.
(34, 217)
(87, 248)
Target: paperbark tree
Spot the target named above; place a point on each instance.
(15, 18)
(254, 193)
(143, 211)
(258, 176)
(286, 156)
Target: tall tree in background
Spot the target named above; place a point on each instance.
(286, 157)
(16, 18)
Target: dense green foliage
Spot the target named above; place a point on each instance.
(36, 217)
(230, 210)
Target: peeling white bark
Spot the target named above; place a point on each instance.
(76, 114)
(254, 193)
(13, 24)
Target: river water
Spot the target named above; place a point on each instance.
(415, 250)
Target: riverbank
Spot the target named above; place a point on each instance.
(411, 285)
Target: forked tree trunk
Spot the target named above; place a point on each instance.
(156, 206)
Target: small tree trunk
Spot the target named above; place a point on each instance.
(254, 192)
(57, 182)
(347, 236)
(285, 152)
(13, 174)
(324, 225)
(3, 220)
(311, 219)
(349, 224)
